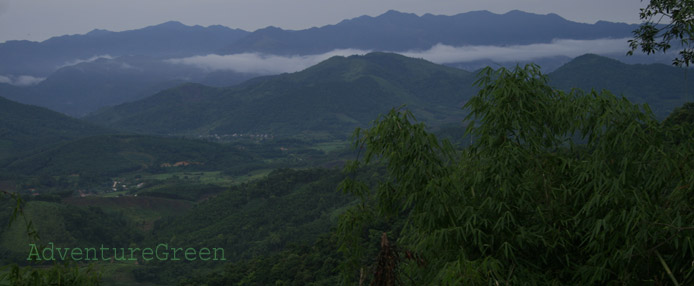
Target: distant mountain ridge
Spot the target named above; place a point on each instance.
(79, 74)
(395, 31)
(170, 39)
(79, 89)
(391, 31)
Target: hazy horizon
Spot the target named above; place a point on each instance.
(37, 20)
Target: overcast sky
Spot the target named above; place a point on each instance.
(38, 20)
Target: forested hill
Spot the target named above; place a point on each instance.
(26, 127)
(329, 99)
(332, 98)
(112, 155)
(663, 87)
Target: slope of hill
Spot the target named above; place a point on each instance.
(395, 31)
(113, 155)
(83, 88)
(663, 87)
(332, 98)
(253, 220)
(326, 100)
(25, 128)
(64, 225)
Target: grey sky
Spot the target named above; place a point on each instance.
(40, 19)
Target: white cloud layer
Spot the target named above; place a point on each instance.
(441, 54)
(258, 63)
(79, 61)
(22, 80)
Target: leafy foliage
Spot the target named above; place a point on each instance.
(69, 274)
(253, 222)
(652, 36)
(67, 226)
(682, 115)
(557, 188)
(298, 264)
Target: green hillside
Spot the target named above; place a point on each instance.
(288, 207)
(325, 101)
(663, 87)
(65, 226)
(203, 194)
(330, 99)
(111, 155)
(24, 128)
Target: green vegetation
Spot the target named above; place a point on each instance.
(250, 221)
(111, 155)
(25, 128)
(323, 102)
(557, 188)
(67, 226)
(660, 86)
(181, 191)
(683, 116)
(653, 36)
(547, 186)
(92, 164)
(299, 264)
(66, 273)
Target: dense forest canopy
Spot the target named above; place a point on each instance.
(556, 188)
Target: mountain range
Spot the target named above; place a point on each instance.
(328, 99)
(79, 74)
(132, 153)
(322, 103)
(79, 89)
(396, 31)
(170, 39)
(332, 98)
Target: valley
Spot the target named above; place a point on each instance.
(317, 156)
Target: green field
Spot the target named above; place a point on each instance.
(332, 146)
(207, 177)
(211, 177)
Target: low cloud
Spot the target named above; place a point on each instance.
(22, 80)
(442, 54)
(255, 63)
(79, 61)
